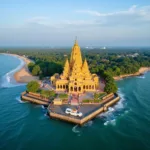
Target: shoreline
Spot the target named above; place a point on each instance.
(141, 71)
(23, 75)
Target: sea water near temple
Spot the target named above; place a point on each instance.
(126, 126)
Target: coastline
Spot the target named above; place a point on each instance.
(141, 71)
(23, 75)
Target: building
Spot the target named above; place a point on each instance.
(76, 77)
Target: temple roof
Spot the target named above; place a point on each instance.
(66, 71)
(85, 69)
(76, 55)
(76, 68)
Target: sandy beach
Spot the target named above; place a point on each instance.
(141, 71)
(23, 75)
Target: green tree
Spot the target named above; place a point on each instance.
(117, 71)
(30, 66)
(33, 86)
(110, 87)
(36, 70)
(47, 93)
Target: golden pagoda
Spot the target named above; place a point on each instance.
(76, 77)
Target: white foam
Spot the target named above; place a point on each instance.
(45, 115)
(8, 78)
(42, 107)
(127, 111)
(120, 104)
(108, 114)
(110, 109)
(111, 115)
(74, 129)
(141, 77)
(106, 123)
(19, 100)
(111, 122)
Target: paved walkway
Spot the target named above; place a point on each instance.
(74, 99)
(85, 109)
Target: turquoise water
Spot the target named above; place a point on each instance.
(25, 126)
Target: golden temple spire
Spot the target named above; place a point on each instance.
(85, 70)
(76, 55)
(76, 70)
(66, 71)
(76, 42)
(76, 77)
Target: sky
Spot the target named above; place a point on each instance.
(57, 22)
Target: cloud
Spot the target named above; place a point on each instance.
(111, 28)
(132, 15)
(96, 13)
(39, 21)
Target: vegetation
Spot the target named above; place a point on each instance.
(36, 70)
(86, 100)
(30, 66)
(99, 95)
(63, 96)
(33, 86)
(106, 64)
(48, 94)
(97, 100)
(116, 65)
(110, 85)
(91, 101)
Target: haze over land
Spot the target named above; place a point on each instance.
(56, 23)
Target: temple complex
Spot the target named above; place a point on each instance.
(76, 94)
(76, 77)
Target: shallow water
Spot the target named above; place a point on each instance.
(25, 126)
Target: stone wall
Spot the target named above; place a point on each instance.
(33, 100)
(65, 118)
(112, 102)
(87, 118)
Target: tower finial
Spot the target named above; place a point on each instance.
(75, 39)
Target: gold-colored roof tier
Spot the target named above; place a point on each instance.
(76, 76)
(76, 68)
(76, 55)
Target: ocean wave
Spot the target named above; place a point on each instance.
(44, 110)
(19, 100)
(42, 106)
(8, 79)
(120, 103)
(112, 122)
(109, 117)
(78, 130)
(74, 129)
(141, 77)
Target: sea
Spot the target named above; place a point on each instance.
(25, 126)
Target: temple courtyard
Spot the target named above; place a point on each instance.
(85, 109)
